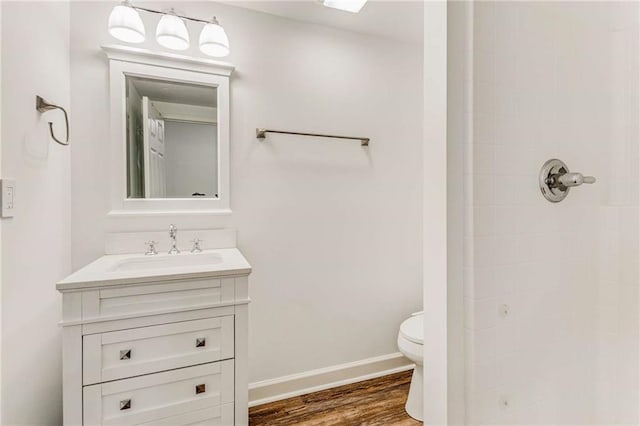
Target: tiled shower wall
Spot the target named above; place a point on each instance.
(618, 270)
(551, 290)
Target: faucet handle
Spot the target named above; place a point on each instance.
(196, 245)
(575, 179)
(152, 248)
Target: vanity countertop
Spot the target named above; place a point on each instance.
(122, 269)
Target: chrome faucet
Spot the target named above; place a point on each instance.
(173, 231)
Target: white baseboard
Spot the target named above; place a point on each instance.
(285, 387)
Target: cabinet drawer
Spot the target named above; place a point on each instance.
(187, 294)
(137, 351)
(158, 397)
(216, 416)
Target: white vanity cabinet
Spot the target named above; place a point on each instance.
(164, 348)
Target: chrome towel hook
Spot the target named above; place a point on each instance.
(44, 106)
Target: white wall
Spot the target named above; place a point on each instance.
(1, 280)
(551, 296)
(435, 219)
(333, 230)
(459, 134)
(35, 243)
(191, 158)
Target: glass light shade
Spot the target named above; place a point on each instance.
(172, 33)
(213, 40)
(125, 24)
(353, 6)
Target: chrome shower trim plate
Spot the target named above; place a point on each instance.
(549, 170)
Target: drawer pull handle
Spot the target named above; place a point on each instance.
(201, 342)
(125, 404)
(125, 354)
(202, 388)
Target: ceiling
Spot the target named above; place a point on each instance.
(398, 20)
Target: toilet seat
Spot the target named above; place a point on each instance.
(412, 329)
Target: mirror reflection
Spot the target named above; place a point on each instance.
(172, 134)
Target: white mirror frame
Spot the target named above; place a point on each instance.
(124, 61)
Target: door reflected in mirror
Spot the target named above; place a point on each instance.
(172, 139)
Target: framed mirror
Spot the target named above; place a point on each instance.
(172, 139)
(170, 133)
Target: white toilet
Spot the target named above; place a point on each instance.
(410, 341)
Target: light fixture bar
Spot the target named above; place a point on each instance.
(144, 9)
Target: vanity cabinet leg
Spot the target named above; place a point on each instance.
(242, 366)
(72, 375)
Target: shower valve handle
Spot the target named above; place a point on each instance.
(555, 180)
(575, 179)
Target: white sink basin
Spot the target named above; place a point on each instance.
(129, 269)
(155, 262)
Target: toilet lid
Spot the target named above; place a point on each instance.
(412, 329)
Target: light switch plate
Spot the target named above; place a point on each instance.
(8, 195)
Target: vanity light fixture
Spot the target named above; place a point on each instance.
(352, 6)
(125, 24)
(213, 39)
(171, 32)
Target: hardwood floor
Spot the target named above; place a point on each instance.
(372, 402)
